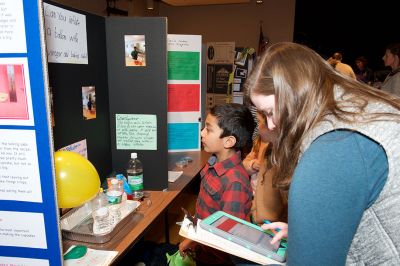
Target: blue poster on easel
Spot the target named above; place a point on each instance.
(29, 218)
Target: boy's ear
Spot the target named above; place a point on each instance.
(229, 142)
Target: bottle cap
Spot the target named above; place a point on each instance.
(133, 155)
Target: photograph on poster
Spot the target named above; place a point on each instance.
(89, 102)
(240, 58)
(135, 50)
(15, 93)
(240, 73)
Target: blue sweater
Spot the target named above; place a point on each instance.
(337, 178)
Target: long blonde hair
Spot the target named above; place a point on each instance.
(303, 84)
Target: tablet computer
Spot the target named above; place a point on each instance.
(245, 234)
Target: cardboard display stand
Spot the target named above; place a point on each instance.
(131, 101)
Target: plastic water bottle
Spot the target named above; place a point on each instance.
(114, 195)
(100, 214)
(135, 176)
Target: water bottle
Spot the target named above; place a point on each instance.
(100, 214)
(135, 176)
(114, 195)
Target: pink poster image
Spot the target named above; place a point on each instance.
(15, 96)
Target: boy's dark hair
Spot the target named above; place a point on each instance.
(235, 120)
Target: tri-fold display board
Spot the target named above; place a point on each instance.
(29, 230)
(127, 65)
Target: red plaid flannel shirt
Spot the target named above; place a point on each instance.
(224, 186)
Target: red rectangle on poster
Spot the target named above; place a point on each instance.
(183, 97)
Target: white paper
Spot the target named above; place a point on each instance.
(236, 87)
(19, 169)
(93, 257)
(79, 147)
(12, 27)
(183, 43)
(8, 261)
(174, 175)
(22, 229)
(65, 35)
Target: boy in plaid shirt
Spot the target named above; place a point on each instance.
(225, 184)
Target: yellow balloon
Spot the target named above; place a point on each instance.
(76, 178)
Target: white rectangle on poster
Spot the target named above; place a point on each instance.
(66, 37)
(8, 261)
(79, 147)
(183, 117)
(15, 92)
(12, 27)
(19, 175)
(237, 99)
(22, 229)
(236, 87)
(184, 43)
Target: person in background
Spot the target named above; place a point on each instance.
(392, 58)
(225, 184)
(336, 62)
(335, 159)
(363, 72)
(268, 203)
(253, 161)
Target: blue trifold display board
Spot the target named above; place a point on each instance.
(29, 223)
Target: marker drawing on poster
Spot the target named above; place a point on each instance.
(79, 147)
(65, 35)
(136, 132)
(15, 92)
(22, 229)
(12, 27)
(19, 175)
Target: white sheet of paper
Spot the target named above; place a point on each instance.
(23, 261)
(174, 175)
(79, 147)
(22, 229)
(65, 35)
(19, 175)
(93, 257)
(12, 27)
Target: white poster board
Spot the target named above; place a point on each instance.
(184, 92)
(65, 35)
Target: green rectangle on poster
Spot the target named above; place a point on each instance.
(183, 65)
(136, 132)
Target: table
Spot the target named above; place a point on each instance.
(154, 204)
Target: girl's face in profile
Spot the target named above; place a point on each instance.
(266, 106)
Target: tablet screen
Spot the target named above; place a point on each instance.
(245, 232)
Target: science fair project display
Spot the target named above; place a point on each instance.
(184, 92)
(108, 76)
(29, 231)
